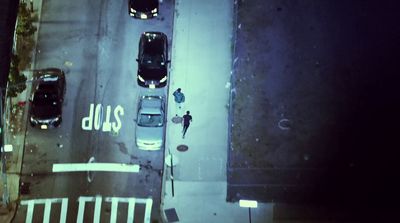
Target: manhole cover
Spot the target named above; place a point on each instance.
(177, 119)
(284, 124)
(182, 148)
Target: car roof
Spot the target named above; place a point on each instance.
(151, 104)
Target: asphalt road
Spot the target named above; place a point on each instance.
(96, 43)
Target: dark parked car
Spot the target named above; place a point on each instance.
(143, 9)
(47, 97)
(153, 60)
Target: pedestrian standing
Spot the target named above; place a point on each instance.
(179, 100)
(187, 119)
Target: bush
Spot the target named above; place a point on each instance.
(25, 25)
(16, 80)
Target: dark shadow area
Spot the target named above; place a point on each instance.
(8, 16)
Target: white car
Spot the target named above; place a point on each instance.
(150, 123)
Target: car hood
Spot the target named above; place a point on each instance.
(149, 133)
(45, 112)
(144, 5)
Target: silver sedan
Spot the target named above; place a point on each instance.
(150, 123)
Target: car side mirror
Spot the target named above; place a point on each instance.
(168, 61)
(137, 60)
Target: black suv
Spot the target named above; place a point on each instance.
(47, 97)
(153, 60)
(143, 9)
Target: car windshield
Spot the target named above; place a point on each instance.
(45, 98)
(150, 120)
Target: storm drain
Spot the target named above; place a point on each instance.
(177, 119)
(171, 215)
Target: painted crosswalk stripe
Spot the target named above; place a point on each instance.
(148, 202)
(81, 210)
(97, 209)
(47, 208)
(131, 207)
(147, 213)
(114, 209)
(64, 208)
(29, 214)
(131, 210)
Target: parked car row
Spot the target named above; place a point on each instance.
(152, 73)
(49, 86)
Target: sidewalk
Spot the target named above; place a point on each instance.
(201, 66)
(14, 134)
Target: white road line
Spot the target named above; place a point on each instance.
(111, 167)
(97, 209)
(114, 209)
(64, 208)
(131, 210)
(42, 201)
(47, 209)
(127, 199)
(147, 213)
(29, 214)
